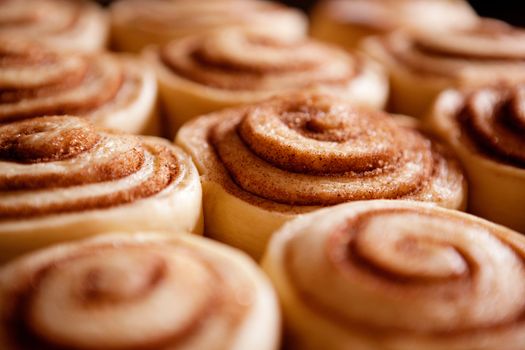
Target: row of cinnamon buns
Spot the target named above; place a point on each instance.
(342, 163)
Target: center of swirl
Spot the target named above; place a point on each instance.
(257, 53)
(494, 119)
(125, 280)
(442, 272)
(402, 252)
(120, 298)
(319, 138)
(321, 122)
(46, 139)
(314, 149)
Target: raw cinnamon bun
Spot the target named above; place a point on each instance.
(423, 64)
(486, 128)
(399, 275)
(62, 24)
(116, 92)
(265, 163)
(62, 179)
(346, 23)
(138, 23)
(206, 73)
(143, 291)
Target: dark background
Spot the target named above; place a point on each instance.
(512, 11)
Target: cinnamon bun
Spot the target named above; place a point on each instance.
(142, 291)
(399, 275)
(486, 128)
(138, 23)
(62, 179)
(346, 23)
(265, 163)
(117, 92)
(202, 74)
(423, 64)
(62, 24)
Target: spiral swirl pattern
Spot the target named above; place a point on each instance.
(160, 21)
(138, 292)
(64, 24)
(57, 164)
(436, 279)
(492, 120)
(240, 60)
(485, 127)
(36, 81)
(316, 150)
(491, 50)
(385, 16)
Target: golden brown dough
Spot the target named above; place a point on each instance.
(143, 291)
(347, 22)
(113, 91)
(486, 128)
(202, 74)
(265, 163)
(63, 179)
(423, 64)
(62, 24)
(399, 275)
(139, 23)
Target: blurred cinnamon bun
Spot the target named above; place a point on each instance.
(398, 275)
(62, 24)
(117, 92)
(486, 128)
(231, 67)
(143, 291)
(423, 64)
(347, 22)
(138, 23)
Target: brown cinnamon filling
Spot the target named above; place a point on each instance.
(120, 166)
(167, 171)
(91, 294)
(165, 16)
(316, 151)
(321, 123)
(18, 94)
(441, 53)
(32, 18)
(348, 261)
(488, 43)
(61, 85)
(493, 119)
(106, 92)
(98, 288)
(22, 55)
(346, 253)
(20, 141)
(56, 139)
(485, 30)
(289, 64)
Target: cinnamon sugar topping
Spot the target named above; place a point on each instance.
(456, 281)
(37, 81)
(124, 295)
(493, 119)
(53, 165)
(312, 149)
(244, 60)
